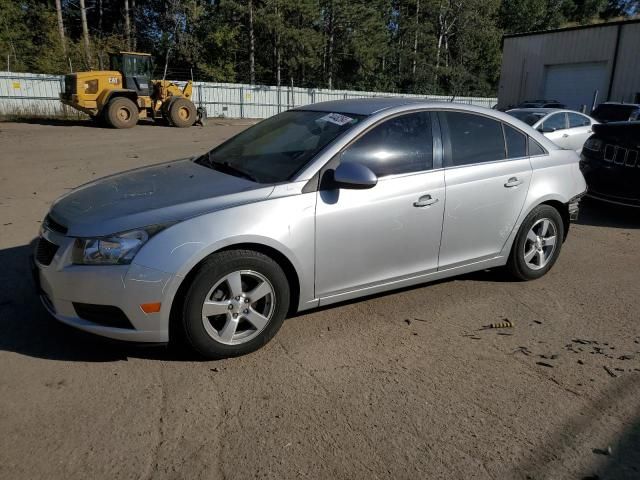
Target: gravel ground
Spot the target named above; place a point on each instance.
(402, 385)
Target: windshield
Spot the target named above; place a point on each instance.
(613, 113)
(530, 118)
(276, 148)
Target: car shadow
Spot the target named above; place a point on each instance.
(75, 122)
(596, 213)
(28, 329)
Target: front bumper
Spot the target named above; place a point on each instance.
(60, 284)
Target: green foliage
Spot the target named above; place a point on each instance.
(418, 46)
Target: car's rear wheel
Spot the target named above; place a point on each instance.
(235, 304)
(537, 244)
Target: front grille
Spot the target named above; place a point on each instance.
(105, 315)
(51, 224)
(45, 251)
(621, 156)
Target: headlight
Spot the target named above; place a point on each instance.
(594, 144)
(117, 249)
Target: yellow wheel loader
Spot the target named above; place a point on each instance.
(120, 96)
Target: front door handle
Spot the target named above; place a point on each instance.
(513, 182)
(425, 201)
(566, 135)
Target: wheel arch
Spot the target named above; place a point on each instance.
(553, 201)
(110, 94)
(563, 209)
(271, 252)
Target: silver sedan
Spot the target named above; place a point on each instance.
(313, 206)
(565, 128)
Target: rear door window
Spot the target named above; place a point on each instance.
(577, 120)
(473, 138)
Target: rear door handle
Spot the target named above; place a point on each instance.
(513, 182)
(565, 135)
(425, 201)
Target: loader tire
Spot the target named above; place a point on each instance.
(121, 113)
(182, 113)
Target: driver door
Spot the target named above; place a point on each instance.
(389, 232)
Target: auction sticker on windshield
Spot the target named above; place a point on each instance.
(336, 118)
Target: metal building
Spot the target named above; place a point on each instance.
(574, 66)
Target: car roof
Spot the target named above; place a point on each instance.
(369, 106)
(538, 110)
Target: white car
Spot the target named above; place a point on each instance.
(565, 128)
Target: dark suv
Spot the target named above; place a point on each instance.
(616, 112)
(610, 163)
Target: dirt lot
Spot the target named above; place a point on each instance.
(403, 385)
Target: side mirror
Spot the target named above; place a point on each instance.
(546, 129)
(354, 176)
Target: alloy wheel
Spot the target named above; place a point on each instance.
(238, 307)
(540, 244)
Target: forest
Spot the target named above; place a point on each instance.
(450, 47)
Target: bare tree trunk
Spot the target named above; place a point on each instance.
(100, 16)
(134, 30)
(63, 40)
(415, 40)
(85, 33)
(127, 24)
(252, 47)
(277, 48)
(278, 68)
(331, 39)
(398, 27)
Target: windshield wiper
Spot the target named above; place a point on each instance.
(226, 167)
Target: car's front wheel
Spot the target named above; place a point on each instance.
(537, 244)
(235, 304)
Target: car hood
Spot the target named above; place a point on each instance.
(152, 195)
(619, 133)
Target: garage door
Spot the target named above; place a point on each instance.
(574, 83)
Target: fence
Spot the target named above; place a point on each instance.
(30, 95)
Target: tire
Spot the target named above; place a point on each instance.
(226, 281)
(182, 112)
(121, 113)
(533, 254)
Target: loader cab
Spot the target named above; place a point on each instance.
(136, 71)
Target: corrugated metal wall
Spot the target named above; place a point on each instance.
(526, 57)
(25, 94)
(626, 83)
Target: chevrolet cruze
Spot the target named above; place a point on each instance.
(316, 205)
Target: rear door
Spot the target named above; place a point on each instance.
(391, 231)
(579, 130)
(487, 175)
(557, 122)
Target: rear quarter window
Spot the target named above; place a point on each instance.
(535, 148)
